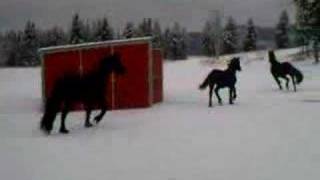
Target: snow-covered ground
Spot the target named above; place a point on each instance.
(266, 135)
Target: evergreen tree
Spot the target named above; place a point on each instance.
(12, 47)
(157, 40)
(129, 31)
(53, 37)
(208, 43)
(308, 21)
(103, 30)
(2, 41)
(118, 34)
(30, 44)
(166, 43)
(230, 37)
(282, 28)
(145, 28)
(183, 40)
(87, 32)
(76, 33)
(177, 43)
(250, 42)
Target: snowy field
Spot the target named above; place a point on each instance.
(266, 135)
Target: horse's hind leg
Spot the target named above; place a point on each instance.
(88, 114)
(48, 120)
(64, 113)
(231, 94)
(100, 116)
(287, 82)
(234, 93)
(103, 106)
(294, 83)
(210, 95)
(216, 90)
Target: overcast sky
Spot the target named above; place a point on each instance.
(190, 13)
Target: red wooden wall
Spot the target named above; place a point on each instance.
(141, 86)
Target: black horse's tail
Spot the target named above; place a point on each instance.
(204, 84)
(52, 106)
(297, 74)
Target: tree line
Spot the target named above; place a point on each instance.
(308, 24)
(20, 47)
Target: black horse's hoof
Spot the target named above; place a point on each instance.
(45, 131)
(64, 131)
(97, 119)
(88, 125)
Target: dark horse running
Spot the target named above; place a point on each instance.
(89, 89)
(282, 70)
(218, 79)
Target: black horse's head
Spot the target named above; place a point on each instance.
(235, 64)
(112, 63)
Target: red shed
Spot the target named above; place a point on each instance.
(141, 86)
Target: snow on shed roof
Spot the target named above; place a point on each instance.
(62, 48)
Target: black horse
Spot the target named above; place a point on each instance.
(222, 79)
(283, 70)
(88, 89)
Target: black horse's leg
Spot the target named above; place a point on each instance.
(294, 83)
(100, 116)
(231, 92)
(234, 95)
(88, 113)
(210, 95)
(216, 90)
(64, 113)
(102, 104)
(278, 81)
(287, 82)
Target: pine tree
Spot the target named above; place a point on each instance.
(118, 34)
(282, 28)
(145, 28)
(157, 40)
(177, 45)
(87, 32)
(129, 31)
(76, 33)
(174, 42)
(53, 37)
(208, 43)
(2, 40)
(308, 21)
(103, 30)
(230, 37)
(250, 42)
(30, 44)
(12, 47)
(184, 47)
(166, 43)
